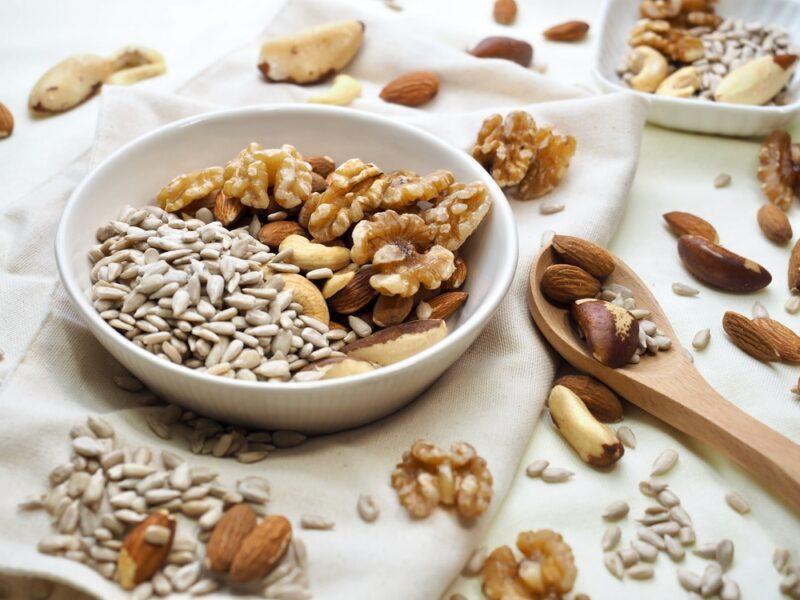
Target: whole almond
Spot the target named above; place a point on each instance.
(783, 339)
(261, 549)
(318, 182)
(749, 337)
(603, 403)
(6, 121)
(355, 295)
(139, 559)
(444, 305)
(227, 210)
(412, 89)
(505, 11)
(719, 267)
(571, 31)
(517, 51)
(321, 165)
(567, 283)
(272, 234)
(683, 223)
(774, 223)
(228, 535)
(590, 257)
(794, 268)
(458, 277)
(391, 310)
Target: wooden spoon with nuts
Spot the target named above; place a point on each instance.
(669, 387)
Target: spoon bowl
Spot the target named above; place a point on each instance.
(669, 387)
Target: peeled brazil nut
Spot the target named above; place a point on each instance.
(758, 81)
(611, 332)
(341, 366)
(311, 55)
(721, 268)
(396, 343)
(594, 442)
(507, 48)
(134, 63)
(69, 83)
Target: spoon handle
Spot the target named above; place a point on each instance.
(687, 402)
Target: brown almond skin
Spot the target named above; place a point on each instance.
(683, 223)
(227, 210)
(571, 31)
(139, 559)
(272, 234)
(321, 165)
(517, 51)
(355, 295)
(774, 223)
(590, 257)
(611, 332)
(601, 401)
(391, 310)
(783, 339)
(505, 11)
(749, 337)
(261, 549)
(444, 305)
(458, 277)
(412, 89)
(794, 268)
(6, 121)
(228, 535)
(563, 284)
(714, 265)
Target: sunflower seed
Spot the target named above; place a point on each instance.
(789, 583)
(161, 585)
(780, 558)
(664, 462)
(536, 467)
(722, 180)
(613, 563)
(367, 508)
(674, 548)
(724, 553)
(628, 556)
(652, 519)
(611, 538)
(708, 550)
(475, 562)
(711, 583)
(737, 502)
(640, 571)
(701, 339)
(158, 427)
(626, 436)
(547, 237)
(616, 510)
(686, 536)
(556, 475)
(679, 515)
(550, 207)
(730, 589)
(651, 537)
(203, 587)
(287, 439)
(689, 580)
(360, 326)
(666, 528)
(308, 521)
(100, 427)
(759, 311)
(185, 577)
(651, 488)
(792, 305)
(668, 498)
(681, 289)
(143, 591)
(87, 446)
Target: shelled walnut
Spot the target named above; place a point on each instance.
(777, 170)
(553, 154)
(187, 188)
(429, 475)
(546, 570)
(676, 44)
(405, 188)
(688, 13)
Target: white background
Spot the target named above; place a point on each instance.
(675, 173)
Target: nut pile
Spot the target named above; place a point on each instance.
(114, 509)
(222, 293)
(683, 49)
(429, 475)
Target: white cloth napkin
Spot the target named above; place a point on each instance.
(55, 373)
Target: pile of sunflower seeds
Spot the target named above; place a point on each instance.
(193, 292)
(106, 488)
(790, 573)
(651, 338)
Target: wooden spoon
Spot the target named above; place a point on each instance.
(669, 387)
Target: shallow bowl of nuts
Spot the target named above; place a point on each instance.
(304, 268)
(724, 67)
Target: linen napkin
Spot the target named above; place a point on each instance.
(56, 373)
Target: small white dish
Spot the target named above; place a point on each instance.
(702, 116)
(133, 175)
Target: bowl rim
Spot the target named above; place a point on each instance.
(722, 107)
(472, 326)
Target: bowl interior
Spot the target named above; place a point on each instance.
(134, 174)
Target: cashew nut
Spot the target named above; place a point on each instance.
(308, 295)
(683, 83)
(339, 280)
(134, 63)
(595, 443)
(69, 83)
(309, 255)
(650, 67)
(344, 90)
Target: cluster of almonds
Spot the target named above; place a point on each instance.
(254, 302)
(429, 476)
(114, 509)
(683, 49)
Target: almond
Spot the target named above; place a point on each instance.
(391, 310)
(139, 559)
(6, 121)
(774, 223)
(571, 31)
(272, 234)
(783, 339)
(794, 268)
(355, 295)
(603, 403)
(567, 283)
(749, 337)
(458, 277)
(683, 223)
(412, 89)
(321, 165)
(444, 305)
(228, 535)
(318, 182)
(590, 257)
(518, 51)
(227, 210)
(261, 549)
(505, 11)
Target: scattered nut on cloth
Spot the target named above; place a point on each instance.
(327, 475)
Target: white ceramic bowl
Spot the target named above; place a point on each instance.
(135, 173)
(702, 116)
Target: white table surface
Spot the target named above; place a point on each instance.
(192, 33)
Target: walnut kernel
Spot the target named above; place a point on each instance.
(405, 188)
(553, 154)
(189, 187)
(675, 43)
(458, 214)
(776, 171)
(506, 146)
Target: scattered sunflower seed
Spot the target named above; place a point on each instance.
(737, 502)
(611, 538)
(640, 571)
(681, 289)
(629, 556)
(780, 558)
(536, 467)
(730, 589)
(550, 207)
(626, 436)
(367, 508)
(689, 580)
(759, 311)
(664, 462)
(792, 305)
(556, 474)
(674, 548)
(547, 237)
(701, 339)
(474, 564)
(647, 552)
(315, 522)
(722, 180)
(651, 537)
(711, 582)
(613, 563)
(724, 553)
(616, 510)
(708, 550)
